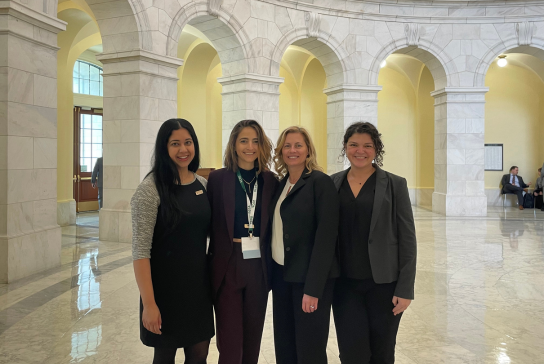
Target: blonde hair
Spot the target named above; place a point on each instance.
(311, 159)
(264, 159)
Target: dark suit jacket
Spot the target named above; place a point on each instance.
(392, 240)
(506, 180)
(309, 214)
(221, 187)
(98, 170)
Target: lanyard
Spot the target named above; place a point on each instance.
(250, 205)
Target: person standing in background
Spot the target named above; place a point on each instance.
(96, 179)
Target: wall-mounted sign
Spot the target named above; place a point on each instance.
(493, 157)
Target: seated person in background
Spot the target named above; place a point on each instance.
(538, 190)
(512, 183)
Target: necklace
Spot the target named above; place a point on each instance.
(250, 182)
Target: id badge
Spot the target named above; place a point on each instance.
(251, 248)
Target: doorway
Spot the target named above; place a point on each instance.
(87, 149)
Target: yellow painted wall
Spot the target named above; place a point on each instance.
(514, 116)
(199, 100)
(397, 122)
(81, 34)
(313, 108)
(289, 100)
(425, 131)
(302, 101)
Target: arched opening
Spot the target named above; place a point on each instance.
(406, 121)
(514, 117)
(79, 87)
(302, 101)
(199, 93)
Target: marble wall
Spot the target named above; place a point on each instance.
(29, 235)
(350, 38)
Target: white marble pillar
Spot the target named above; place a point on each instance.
(251, 96)
(347, 104)
(459, 152)
(140, 93)
(30, 239)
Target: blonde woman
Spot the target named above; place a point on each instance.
(238, 252)
(305, 212)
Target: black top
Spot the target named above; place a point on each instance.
(240, 201)
(179, 273)
(355, 217)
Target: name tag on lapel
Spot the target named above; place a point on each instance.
(199, 192)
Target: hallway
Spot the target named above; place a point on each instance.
(479, 298)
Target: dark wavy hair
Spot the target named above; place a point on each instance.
(366, 128)
(165, 171)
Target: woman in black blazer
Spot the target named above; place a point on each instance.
(304, 232)
(377, 244)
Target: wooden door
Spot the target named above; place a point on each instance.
(87, 148)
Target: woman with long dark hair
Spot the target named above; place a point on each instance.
(170, 223)
(377, 245)
(240, 195)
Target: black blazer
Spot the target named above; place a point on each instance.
(309, 215)
(220, 189)
(392, 243)
(507, 181)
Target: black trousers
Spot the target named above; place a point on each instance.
(515, 190)
(240, 310)
(299, 337)
(365, 325)
(538, 198)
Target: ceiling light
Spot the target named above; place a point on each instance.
(502, 61)
(383, 64)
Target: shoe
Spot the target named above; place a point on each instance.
(521, 207)
(526, 190)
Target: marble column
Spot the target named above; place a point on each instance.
(347, 104)
(140, 93)
(30, 239)
(251, 96)
(459, 152)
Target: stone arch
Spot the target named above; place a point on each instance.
(124, 25)
(510, 45)
(335, 59)
(442, 67)
(225, 32)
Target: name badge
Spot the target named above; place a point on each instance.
(199, 192)
(251, 248)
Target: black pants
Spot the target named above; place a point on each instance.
(515, 190)
(299, 337)
(365, 325)
(538, 198)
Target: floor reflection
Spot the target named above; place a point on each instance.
(479, 298)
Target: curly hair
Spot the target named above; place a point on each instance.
(366, 128)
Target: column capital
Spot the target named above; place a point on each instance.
(140, 61)
(459, 91)
(352, 92)
(250, 82)
(17, 12)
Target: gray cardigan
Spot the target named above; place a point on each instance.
(392, 242)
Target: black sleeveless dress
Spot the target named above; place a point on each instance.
(179, 273)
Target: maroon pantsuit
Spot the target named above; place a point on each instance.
(240, 286)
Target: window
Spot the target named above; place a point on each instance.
(90, 141)
(87, 79)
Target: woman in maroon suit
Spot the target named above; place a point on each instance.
(239, 196)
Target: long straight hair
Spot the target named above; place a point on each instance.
(165, 171)
(263, 161)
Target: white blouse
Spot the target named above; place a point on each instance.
(277, 227)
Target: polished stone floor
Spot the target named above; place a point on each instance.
(479, 298)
